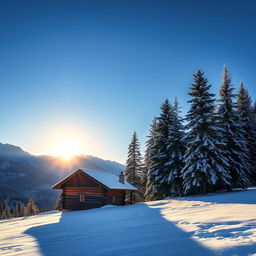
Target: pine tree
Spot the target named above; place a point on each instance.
(144, 178)
(149, 152)
(134, 165)
(11, 212)
(245, 111)
(1, 210)
(176, 148)
(233, 134)
(205, 161)
(32, 208)
(23, 210)
(59, 202)
(158, 169)
(16, 211)
(253, 143)
(5, 211)
(150, 142)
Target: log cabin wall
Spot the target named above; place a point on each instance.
(92, 198)
(115, 197)
(81, 198)
(81, 192)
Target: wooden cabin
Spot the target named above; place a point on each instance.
(87, 189)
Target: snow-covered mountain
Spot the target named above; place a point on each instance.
(11, 151)
(25, 175)
(212, 225)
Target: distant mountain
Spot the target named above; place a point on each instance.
(23, 175)
(11, 151)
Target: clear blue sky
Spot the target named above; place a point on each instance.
(99, 70)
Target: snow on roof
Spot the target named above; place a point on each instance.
(109, 179)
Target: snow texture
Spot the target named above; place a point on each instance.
(109, 179)
(217, 224)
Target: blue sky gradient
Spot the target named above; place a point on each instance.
(101, 69)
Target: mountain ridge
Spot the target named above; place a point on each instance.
(23, 175)
(19, 151)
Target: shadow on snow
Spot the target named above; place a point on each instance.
(130, 230)
(141, 230)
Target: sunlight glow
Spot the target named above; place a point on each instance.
(66, 148)
(71, 138)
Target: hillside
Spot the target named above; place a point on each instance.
(19, 168)
(218, 224)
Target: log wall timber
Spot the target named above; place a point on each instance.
(115, 192)
(115, 197)
(71, 202)
(77, 190)
(119, 200)
(94, 197)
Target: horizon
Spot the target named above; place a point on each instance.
(90, 73)
(56, 156)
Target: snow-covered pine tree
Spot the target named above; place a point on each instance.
(16, 210)
(32, 208)
(20, 209)
(149, 151)
(176, 149)
(134, 165)
(23, 210)
(144, 177)
(5, 213)
(205, 161)
(233, 134)
(1, 210)
(150, 142)
(59, 202)
(158, 169)
(253, 156)
(245, 110)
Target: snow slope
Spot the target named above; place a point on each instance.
(219, 224)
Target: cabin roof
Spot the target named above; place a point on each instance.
(108, 179)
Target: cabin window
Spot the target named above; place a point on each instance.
(114, 199)
(81, 197)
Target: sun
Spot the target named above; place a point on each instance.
(66, 148)
(65, 142)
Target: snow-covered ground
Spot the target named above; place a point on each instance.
(219, 224)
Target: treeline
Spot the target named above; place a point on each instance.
(212, 148)
(19, 209)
